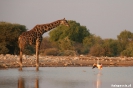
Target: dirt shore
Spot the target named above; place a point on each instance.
(11, 61)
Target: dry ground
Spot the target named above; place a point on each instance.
(11, 61)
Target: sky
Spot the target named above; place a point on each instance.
(104, 18)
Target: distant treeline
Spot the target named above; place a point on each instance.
(73, 40)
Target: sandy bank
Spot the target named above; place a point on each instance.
(11, 61)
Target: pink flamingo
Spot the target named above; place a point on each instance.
(99, 66)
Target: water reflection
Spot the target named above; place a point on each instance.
(98, 80)
(37, 83)
(22, 83)
(71, 77)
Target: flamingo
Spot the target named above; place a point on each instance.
(99, 66)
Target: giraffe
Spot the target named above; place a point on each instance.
(34, 37)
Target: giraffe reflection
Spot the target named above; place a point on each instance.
(21, 83)
(37, 83)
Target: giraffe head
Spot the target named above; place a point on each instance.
(64, 22)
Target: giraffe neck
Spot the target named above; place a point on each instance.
(41, 29)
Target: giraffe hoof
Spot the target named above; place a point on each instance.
(37, 65)
(20, 64)
(37, 68)
(20, 69)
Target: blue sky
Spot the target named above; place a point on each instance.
(104, 18)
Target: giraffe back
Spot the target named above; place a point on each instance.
(29, 37)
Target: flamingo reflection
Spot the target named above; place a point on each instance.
(98, 81)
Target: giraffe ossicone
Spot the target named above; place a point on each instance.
(34, 37)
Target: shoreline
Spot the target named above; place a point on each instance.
(11, 61)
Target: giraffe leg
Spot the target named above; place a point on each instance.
(21, 45)
(37, 55)
(20, 60)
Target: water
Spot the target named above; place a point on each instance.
(66, 77)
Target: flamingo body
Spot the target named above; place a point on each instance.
(99, 66)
